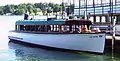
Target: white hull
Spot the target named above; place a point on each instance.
(82, 42)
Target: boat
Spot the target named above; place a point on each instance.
(68, 34)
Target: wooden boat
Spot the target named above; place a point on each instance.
(63, 34)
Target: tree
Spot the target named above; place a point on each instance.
(35, 11)
(22, 6)
(44, 11)
(30, 8)
(49, 10)
(57, 8)
(8, 9)
(1, 11)
(52, 5)
(19, 12)
(39, 5)
(72, 8)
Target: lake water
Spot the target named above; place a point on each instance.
(10, 51)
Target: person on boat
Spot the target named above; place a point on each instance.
(96, 29)
(64, 28)
(40, 28)
(26, 16)
(48, 28)
(83, 29)
(71, 28)
(75, 29)
(79, 29)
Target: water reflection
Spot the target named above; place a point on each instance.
(29, 54)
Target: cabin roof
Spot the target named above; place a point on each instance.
(51, 22)
(39, 22)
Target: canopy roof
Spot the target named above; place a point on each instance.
(54, 22)
(39, 22)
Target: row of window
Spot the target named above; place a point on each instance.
(98, 10)
(96, 2)
(50, 28)
(106, 7)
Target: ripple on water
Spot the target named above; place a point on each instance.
(29, 53)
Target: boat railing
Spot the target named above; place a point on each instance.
(102, 23)
(43, 20)
(34, 20)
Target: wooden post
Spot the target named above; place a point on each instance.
(113, 36)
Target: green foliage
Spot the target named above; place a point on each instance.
(1, 11)
(51, 5)
(19, 12)
(72, 8)
(44, 11)
(33, 8)
(49, 10)
(35, 11)
(8, 9)
(57, 8)
(30, 8)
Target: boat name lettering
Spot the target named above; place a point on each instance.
(93, 36)
(96, 36)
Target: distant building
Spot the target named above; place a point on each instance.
(98, 10)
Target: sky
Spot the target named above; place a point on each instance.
(5, 2)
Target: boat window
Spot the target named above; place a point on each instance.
(70, 26)
(21, 27)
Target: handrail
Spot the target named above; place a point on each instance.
(34, 20)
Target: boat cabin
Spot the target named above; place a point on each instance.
(59, 26)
